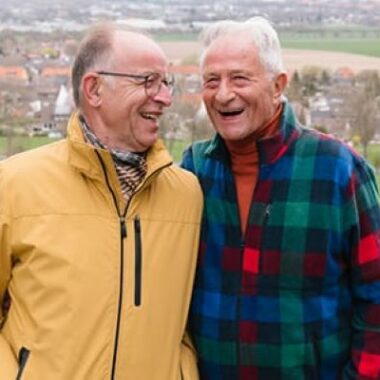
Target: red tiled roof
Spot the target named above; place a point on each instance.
(56, 71)
(345, 72)
(13, 72)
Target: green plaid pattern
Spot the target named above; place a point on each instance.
(297, 297)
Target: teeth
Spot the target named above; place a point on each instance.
(149, 116)
(231, 113)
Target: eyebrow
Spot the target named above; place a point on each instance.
(232, 72)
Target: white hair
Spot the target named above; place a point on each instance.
(262, 34)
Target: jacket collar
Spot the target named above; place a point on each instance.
(83, 156)
(270, 149)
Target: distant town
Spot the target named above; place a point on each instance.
(179, 15)
(39, 38)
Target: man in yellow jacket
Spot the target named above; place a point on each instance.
(99, 231)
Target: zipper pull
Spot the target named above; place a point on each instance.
(267, 212)
(137, 223)
(22, 359)
(123, 228)
(138, 261)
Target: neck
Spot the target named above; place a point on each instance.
(270, 128)
(102, 133)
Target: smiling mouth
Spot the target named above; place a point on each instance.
(150, 116)
(231, 113)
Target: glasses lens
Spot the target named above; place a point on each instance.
(169, 82)
(154, 82)
(152, 85)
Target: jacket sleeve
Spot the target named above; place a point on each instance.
(362, 221)
(8, 363)
(189, 369)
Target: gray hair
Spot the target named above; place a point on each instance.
(262, 34)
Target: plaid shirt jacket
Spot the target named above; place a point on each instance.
(298, 297)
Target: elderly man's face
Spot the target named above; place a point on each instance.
(240, 96)
(127, 111)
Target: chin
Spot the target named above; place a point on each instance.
(231, 135)
(233, 138)
(149, 142)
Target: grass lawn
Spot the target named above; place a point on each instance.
(21, 143)
(365, 46)
(175, 148)
(355, 41)
(374, 159)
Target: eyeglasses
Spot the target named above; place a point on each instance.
(152, 81)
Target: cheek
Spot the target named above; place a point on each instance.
(264, 101)
(207, 96)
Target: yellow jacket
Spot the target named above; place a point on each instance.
(87, 303)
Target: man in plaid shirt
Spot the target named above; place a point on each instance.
(288, 279)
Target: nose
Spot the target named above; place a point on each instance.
(164, 96)
(224, 92)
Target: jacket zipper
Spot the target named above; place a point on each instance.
(23, 356)
(138, 261)
(268, 209)
(123, 235)
(267, 212)
(317, 357)
(238, 299)
(238, 305)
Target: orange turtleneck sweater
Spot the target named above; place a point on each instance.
(245, 164)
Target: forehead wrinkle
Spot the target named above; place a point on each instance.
(229, 42)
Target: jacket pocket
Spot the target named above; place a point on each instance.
(138, 261)
(23, 356)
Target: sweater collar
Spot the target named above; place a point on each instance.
(82, 155)
(246, 149)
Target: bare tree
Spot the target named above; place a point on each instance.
(294, 89)
(201, 126)
(363, 107)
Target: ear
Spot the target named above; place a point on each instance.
(280, 83)
(92, 87)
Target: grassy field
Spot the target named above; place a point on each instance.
(374, 159)
(175, 148)
(363, 46)
(357, 42)
(176, 37)
(21, 143)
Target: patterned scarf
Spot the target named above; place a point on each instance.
(130, 167)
